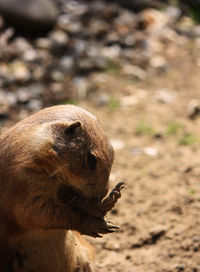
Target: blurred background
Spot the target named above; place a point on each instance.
(135, 64)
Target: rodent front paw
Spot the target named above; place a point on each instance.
(94, 226)
(109, 202)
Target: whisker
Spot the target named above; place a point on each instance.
(59, 170)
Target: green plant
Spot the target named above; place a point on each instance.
(188, 139)
(173, 129)
(144, 128)
(192, 191)
(112, 67)
(71, 101)
(194, 14)
(173, 2)
(113, 103)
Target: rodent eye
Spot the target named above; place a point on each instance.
(92, 160)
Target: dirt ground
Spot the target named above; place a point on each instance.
(157, 151)
(157, 155)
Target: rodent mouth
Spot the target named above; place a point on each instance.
(88, 190)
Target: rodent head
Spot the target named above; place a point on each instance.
(81, 153)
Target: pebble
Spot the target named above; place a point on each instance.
(19, 71)
(117, 144)
(159, 62)
(136, 151)
(23, 96)
(30, 55)
(57, 75)
(91, 36)
(59, 38)
(101, 99)
(112, 245)
(8, 98)
(166, 96)
(154, 20)
(193, 108)
(179, 267)
(43, 43)
(173, 12)
(111, 52)
(66, 63)
(129, 101)
(34, 105)
(82, 86)
(59, 93)
(134, 71)
(150, 151)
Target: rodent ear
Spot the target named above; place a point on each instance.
(73, 127)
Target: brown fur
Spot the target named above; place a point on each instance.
(49, 185)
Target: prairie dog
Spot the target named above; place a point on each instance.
(54, 167)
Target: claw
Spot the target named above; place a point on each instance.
(119, 186)
(109, 202)
(112, 226)
(96, 235)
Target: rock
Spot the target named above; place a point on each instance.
(91, 64)
(159, 62)
(165, 96)
(57, 75)
(150, 151)
(130, 40)
(138, 5)
(129, 100)
(65, 23)
(23, 96)
(30, 55)
(24, 49)
(134, 71)
(30, 16)
(34, 105)
(179, 267)
(136, 151)
(173, 12)
(112, 38)
(101, 99)
(82, 85)
(4, 38)
(76, 8)
(21, 45)
(7, 99)
(98, 27)
(66, 63)
(38, 73)
(111, 52)
(193, 109)
(19, 71)
(44, 43)
(59, 38)
(117, 144)
(127, 18)
(112, 246)
(58, 93)
(81, 47)
(185, 26)
(153, 20)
